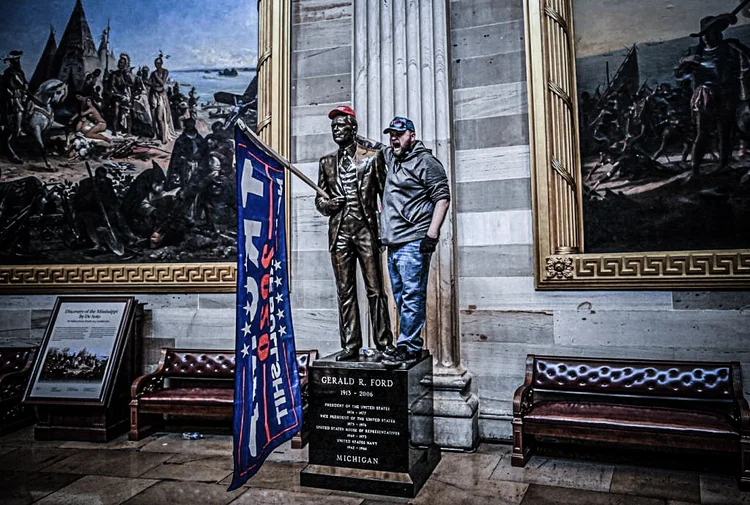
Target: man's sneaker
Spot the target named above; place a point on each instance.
(402, 356)
(389, 351)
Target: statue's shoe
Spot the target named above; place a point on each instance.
(347, 354)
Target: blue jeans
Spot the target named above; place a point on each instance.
(408, 270)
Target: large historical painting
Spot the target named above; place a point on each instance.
(640, 143)
(117, 126)
(663, 90)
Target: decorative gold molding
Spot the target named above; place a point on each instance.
(275, 72)
(214, 277)
(559, 267)
(559, 259)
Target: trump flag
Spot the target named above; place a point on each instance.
(267, 402)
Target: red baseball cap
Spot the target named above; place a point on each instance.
(342, 110)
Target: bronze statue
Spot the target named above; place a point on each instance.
(354, 177)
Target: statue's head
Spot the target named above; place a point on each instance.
(343, 125)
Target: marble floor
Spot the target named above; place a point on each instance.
(165, 469)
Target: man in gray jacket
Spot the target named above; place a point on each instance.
(415, 202)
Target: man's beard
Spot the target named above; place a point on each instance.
(401, 151)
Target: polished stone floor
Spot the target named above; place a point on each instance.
(165, 469)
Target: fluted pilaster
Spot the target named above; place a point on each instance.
(401, 56)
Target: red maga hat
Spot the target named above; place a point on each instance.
(342, 110)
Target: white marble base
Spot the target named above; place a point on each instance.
(456, 411)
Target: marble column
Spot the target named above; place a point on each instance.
(401, 67)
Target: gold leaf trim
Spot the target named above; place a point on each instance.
(672, 265)
(136, 277)
(551, 13)
(565, 174)
(559, 267)
(561, 94)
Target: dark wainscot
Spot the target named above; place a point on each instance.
(371, 428)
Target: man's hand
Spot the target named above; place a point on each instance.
(335, 204)
(693, 59)
(428, 245)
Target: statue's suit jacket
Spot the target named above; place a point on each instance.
(371, 171)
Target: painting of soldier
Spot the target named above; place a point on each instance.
(116, 140)
(664, 124)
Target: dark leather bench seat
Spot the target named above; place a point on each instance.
(198, 383)
(631, 417)
(190, 397)
(698, 406)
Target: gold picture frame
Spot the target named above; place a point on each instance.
(274, 83)
(560, 258)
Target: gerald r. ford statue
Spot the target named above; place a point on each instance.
(354, 177)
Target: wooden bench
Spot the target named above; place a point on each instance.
(15, 370)
(197, 383)
(678, 404)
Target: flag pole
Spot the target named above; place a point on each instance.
(284, 162)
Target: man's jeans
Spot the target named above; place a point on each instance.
(408, 269)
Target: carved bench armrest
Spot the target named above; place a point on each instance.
(522, 400)
(146, 384)
(13, 383)
(744, 417)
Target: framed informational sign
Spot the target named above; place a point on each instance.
(82, 350)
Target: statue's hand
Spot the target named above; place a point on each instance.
(335, 204)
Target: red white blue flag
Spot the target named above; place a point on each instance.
(267, 400)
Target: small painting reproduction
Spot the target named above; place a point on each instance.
(116, 129)
(664, 122)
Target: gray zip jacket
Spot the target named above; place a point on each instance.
(412, 187)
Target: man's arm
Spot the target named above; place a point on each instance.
(437, 181)
(438, 216)
(326, 206)
(688, 63)
(381, 170)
